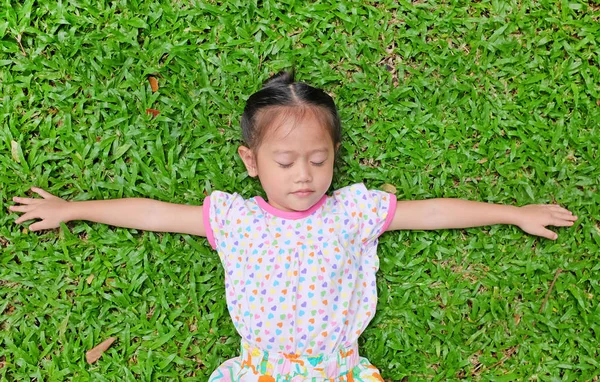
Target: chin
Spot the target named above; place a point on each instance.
(303, 205)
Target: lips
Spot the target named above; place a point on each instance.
(304, 192)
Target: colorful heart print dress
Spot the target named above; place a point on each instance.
(300, 285)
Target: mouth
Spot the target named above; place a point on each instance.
(302, 193)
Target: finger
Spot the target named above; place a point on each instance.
(564, 216)
(44, 194)
(561, 223)
(25, 217)
(548, 234)
(38, 226)
(556, 207)
(18, 199)
(23, 208)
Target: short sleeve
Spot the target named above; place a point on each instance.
(372, 210)
(216, 210)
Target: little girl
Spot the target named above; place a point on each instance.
(299, 266)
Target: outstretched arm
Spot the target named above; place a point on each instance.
(144, 214)
(457, 213)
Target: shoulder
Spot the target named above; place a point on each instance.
(225, 213)
(359, 192)
(225, 197)
(358, 196)
(350, 191)
(224, 203)
(371, 210)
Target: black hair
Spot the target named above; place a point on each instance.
(280, 93)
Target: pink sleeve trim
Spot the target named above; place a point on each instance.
(391, 213)
(206, 218)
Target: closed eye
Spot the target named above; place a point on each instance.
(318, 164)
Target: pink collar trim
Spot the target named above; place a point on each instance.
(293, 215)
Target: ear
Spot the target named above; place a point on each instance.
(249, 160)
(337, 147)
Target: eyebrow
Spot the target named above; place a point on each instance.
(294, 152)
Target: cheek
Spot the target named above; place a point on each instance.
(275, 173)
(326, 174)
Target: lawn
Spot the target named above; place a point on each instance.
(493, 101)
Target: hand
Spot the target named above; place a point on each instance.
(50, 209)
(534, 218)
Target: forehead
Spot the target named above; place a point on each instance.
(299, 130)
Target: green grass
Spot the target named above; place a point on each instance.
(493, 101)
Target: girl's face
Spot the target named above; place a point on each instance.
(294, 162)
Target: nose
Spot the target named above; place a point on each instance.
(304, 174)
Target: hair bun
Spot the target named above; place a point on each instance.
(281, 78)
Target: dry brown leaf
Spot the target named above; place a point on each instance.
(95, 354)
(90, 279)
(482, 161)
(18, 38)
(153, 83)
(14, 150)
(154, 112)
(389, 188)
